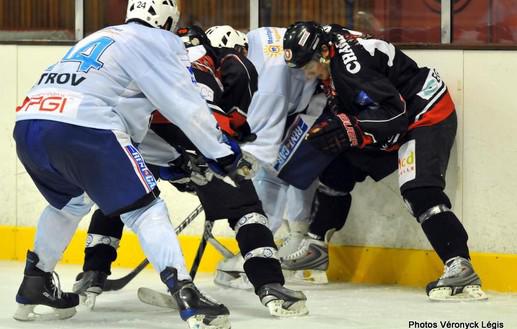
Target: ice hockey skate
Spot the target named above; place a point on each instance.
(291, 242)
(230, 273)
(198, 310)
(459, 282)
(89, 285)
(281, 301)
(42, 288)
(308, 263)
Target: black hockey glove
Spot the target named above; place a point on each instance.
(243, 133)
(186, 171)
(335, 133)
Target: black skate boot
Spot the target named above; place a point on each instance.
(198, 310)
(39, 288)
(281, 301)
(89, 285)
(459, 282)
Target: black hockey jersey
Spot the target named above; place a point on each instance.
(383, 88)
(227, 81)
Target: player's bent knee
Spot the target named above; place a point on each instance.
(144, 201)
(425, 202)
(78, 206)
(133, 219)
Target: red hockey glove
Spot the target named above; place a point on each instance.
(336, 133)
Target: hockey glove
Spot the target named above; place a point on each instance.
(243, 133)
(335, 133)
(179, 178)
(238, 166)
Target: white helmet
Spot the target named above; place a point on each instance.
(225, 36)
(163, 14)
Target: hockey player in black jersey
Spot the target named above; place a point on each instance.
(215, 71)
(383, 112)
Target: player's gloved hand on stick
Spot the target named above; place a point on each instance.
(238, 166)
(198, 168)
(335, 133)
(179, 178)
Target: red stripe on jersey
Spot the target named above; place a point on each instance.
(439, 112)
(158, 118)
(224, 123)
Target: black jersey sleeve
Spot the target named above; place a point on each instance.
(239, 78)
(365, 91)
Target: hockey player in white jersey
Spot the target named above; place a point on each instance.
(282, 92)
(76, 133)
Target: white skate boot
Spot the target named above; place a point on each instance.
(291, 242)
(459, 282)
(309, 263)
(230, 273)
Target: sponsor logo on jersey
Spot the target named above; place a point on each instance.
(49, 102)
(407, 162)
(139, 164)
(273, 47)
(347, 55)
(431, 86)
(273, 36)
(291, 142)
(273, 50)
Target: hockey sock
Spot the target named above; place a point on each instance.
(259, 250)
(272, 192)
(156, 236)
(431, 208)
(104, 235)
(447, 235)
(330, 211)
(55, 230)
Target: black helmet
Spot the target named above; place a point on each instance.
(302, 43)
(193, 35)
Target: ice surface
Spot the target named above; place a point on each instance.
(331, 306)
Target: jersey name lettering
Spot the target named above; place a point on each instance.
(60, 79)
(348, 56)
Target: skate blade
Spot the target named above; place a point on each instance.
(200, 322)
(469, 293)
(297, 309)
(27, 313)
(87, 299)
(306, 276)
(225, 279)
(156, 298)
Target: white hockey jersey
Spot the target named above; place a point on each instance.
(281, 91)
(116, 77)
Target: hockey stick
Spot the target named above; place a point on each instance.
(207, 232)
(118, 284)
(220, 247)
